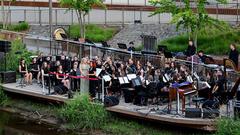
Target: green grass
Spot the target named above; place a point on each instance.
(22, 26)
(3, 97)
(210, 40)
(93, 32)
(228, 126)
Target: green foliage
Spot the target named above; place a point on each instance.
(210, 40)
(82, 8)
(22, 26)
(93, 32)
(13, 58)
(192, 20)
(228, 126)
(129, 127)
(3, 97)
(81, 113)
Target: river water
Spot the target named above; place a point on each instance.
(12, 125)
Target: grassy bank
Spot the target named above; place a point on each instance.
(95, 33)
(211, 40)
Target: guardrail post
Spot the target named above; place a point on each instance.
(111, 2)
(56, 18)
(72, 16)
(141, 15)
(10, 16)
(40, 16)
(145, 2)
(217, 10)
(122, 17)
(105, 16)
(128, 2)
(237, 12)
(159, 18)
(25, 15)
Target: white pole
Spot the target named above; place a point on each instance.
(102, 90)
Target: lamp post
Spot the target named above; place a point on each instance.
(50, 24)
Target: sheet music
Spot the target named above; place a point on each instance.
(166, 78)
(125, 79)
(121, 81)
(98, 71)
(107, 78)
(189, 79)
(131, 76)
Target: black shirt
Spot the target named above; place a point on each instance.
(191, 50)
(233, 55)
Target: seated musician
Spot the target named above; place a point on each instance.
(61, 78)
(48, 60)
(218, 90)
(45, 73)
(24, 72)
(75, 60)
(40, 59)
(131, 68)
(63, 62)
(35, 70)
(233, 55)
(75, 71)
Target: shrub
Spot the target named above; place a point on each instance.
(13, 58)
(211, 41)
(228, 126)
(3, 97)
(93, 32)
(81, 113)
(22, 26)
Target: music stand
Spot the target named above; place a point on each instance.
(122, 45)
(89, 41)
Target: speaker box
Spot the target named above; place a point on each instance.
(8, 77)
(210, 113)
(110, 101)
(5, 46)
(193, 113)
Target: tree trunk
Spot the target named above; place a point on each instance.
(8, 12)
(3, 14)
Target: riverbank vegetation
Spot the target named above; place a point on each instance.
(95, 33)
(228, 126)
(210, 40)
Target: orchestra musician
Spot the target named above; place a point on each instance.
(92, 83)
(191, 49)
(24, 71)
(45, 73)
(131, 68)
(61, 78)
(35, 70)
(84, 69)
(75, 71)
(233, 55)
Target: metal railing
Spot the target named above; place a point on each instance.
(39, 15)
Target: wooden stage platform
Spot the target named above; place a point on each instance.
(147, 113)
(34, 90)
(150, 113)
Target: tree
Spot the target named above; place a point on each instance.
(5, 14)
(82, 8)
(191, 19)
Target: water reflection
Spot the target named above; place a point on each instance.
(13, 125)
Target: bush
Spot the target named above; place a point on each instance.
(81, 113)
(211, 41)
(228, 126)
(93, 32)
(13, 58)
(3, 97)
(22, 26)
